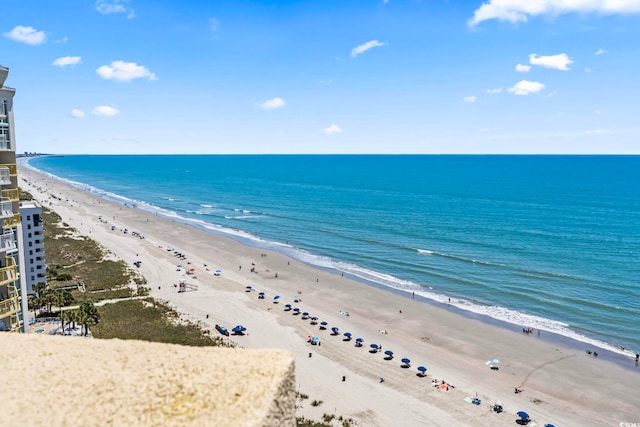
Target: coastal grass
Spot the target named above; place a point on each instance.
(150, 320)
(76, 258)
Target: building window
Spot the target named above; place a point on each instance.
(28, 217)
(33, 278)
(29, 235)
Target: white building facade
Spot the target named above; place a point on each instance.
(34, 269)
(13, 292)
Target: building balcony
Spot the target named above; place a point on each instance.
(5, 176)
(11, 222)
(8, 274)
(7, 241)
(13, 168)
(12, 194)
(6, 208)
(11, 305)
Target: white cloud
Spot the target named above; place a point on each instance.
(62, 40)
(105, 110)
(28, 35)
(77, 113)
(494, 91)
(520, 10)
(67, 60)
(597, 132)
(272, 104)
(469, 99)
(365, 47)
(557, 62)
(108, 7)
(601, 52)
(523, 68)
(214, 24)
(525, 87)
(124, 71)
(333, 129)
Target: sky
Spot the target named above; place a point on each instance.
(331, 76)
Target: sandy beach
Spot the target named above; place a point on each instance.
(561, 384)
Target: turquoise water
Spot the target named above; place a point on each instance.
(549, 242)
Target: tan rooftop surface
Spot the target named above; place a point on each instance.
(67, 381)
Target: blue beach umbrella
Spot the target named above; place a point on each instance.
(334, 331)
(323, 323)
(347, 334)
(249, 288)
(296, 310)
(523, 415)
(389, 353)
(287, 307)
(360, 340)
(305, 313)
(406, 361)
(549, 425)
(261, 294)
(375, 346)
(239, 329)
(422, 369)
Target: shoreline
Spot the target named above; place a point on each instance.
(574, 340)
(569, 387)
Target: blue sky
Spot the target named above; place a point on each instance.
(333, 76)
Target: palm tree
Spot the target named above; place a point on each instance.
(90, 316)
(34, 304)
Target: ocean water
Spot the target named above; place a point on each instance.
(549, 242)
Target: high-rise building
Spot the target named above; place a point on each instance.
(13, 296)
(34, 268)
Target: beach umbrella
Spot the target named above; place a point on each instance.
(406, 361)
(261, 294)
(323, 323)
(389, 353)
(360, 340)
(496, 361)
(375, 346)
(549, 425)
(334, 330)
(239, 328)
(297, 310)
(523, 415)
(422, 369)
(287, 307)
(347, 334)
(276, 298)
(249, 288)
(305, 313)
(218, 272)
